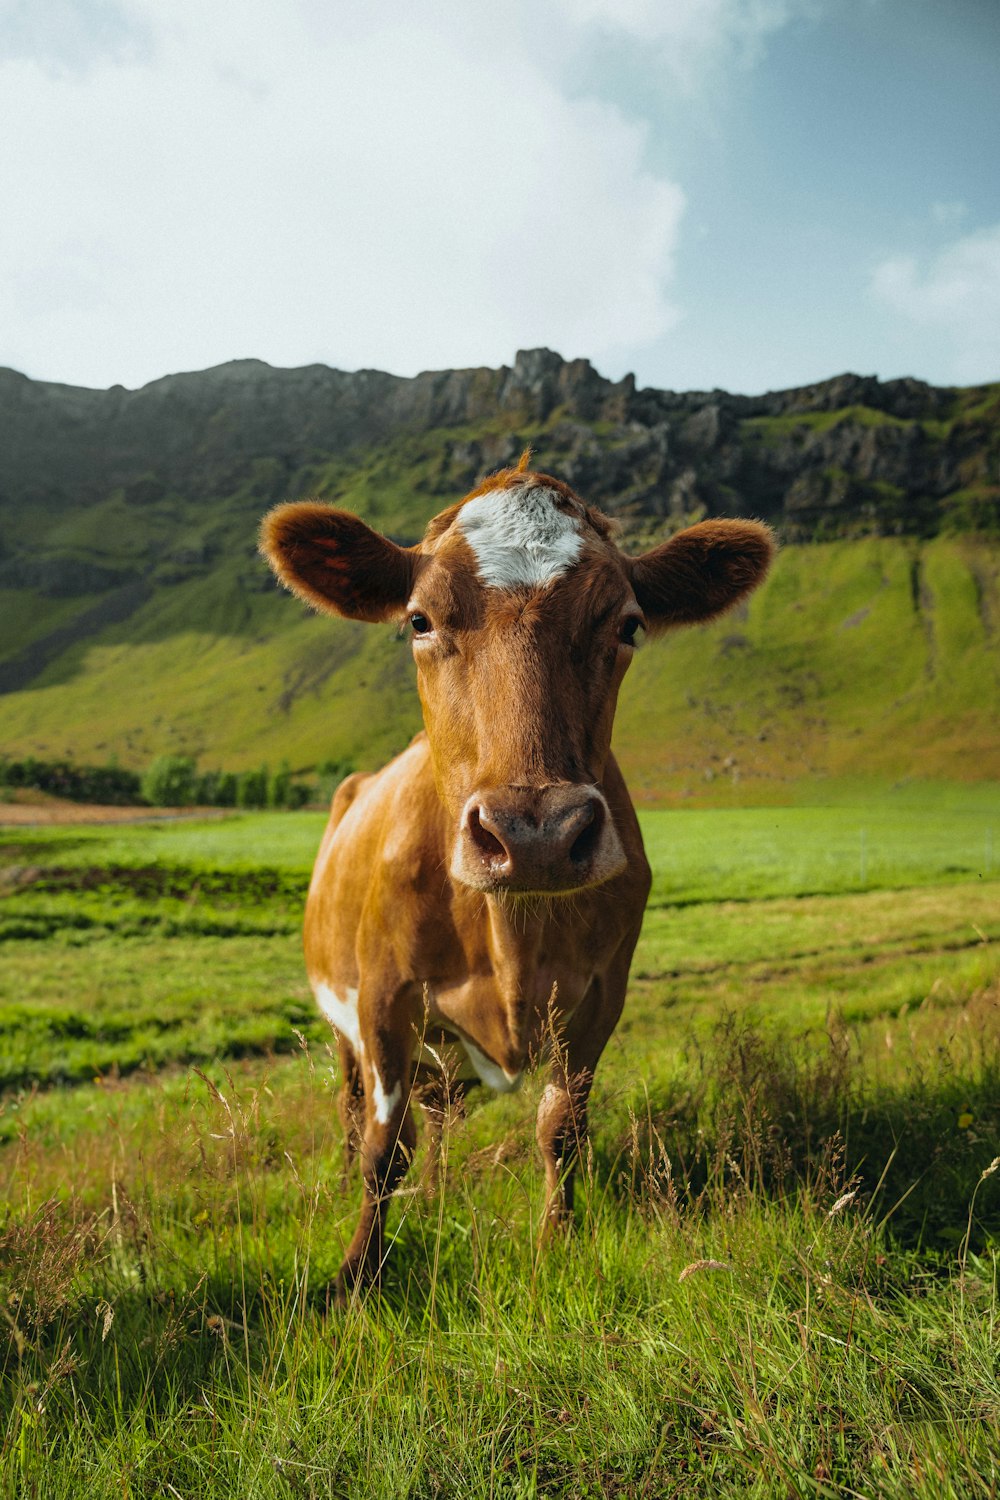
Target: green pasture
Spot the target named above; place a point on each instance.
(783, 1280)
(846, 834)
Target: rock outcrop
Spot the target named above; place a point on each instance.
(845, 455)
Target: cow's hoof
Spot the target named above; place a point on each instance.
(557, 1226)
(351, 1283)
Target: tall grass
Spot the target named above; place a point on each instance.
(783, 1276)
(737, 1312)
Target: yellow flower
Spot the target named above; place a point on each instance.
(964, 1120)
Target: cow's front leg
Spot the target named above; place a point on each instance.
(561, 1131)
(350, 1101)
(387, 1145)
(561, 1126)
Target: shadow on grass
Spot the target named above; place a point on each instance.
(912, 1131)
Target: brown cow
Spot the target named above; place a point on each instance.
(486, 888)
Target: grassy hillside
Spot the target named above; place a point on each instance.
(874, 656)
(137, 619)
(878, 656)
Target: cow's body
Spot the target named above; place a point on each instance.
(476, 903)
(483, 972)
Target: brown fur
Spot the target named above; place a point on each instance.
(335, 562)
(701, 572)
(411, 904)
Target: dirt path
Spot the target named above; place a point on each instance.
(49, 814)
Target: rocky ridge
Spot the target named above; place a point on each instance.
(843, 456)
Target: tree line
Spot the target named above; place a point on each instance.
(175, 781)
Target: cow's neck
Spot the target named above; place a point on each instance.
(518, 928)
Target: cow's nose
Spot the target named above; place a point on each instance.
(522, 840)
(506, 837)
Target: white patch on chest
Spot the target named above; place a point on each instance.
(341, 1013)
(520, 537)
(462, 1059)
(385, 1103)
(494, 1077)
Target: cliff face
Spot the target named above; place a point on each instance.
(847, 455)
(205, 429)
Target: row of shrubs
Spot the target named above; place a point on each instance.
(176, 781)
(108, 784)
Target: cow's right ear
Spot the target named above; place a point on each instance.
(336, 563)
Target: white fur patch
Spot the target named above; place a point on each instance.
(385, 1103)
(520, 537)
(342, 1013)
(493, 1076)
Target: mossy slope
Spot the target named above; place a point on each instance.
(879, 656)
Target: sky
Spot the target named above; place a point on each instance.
(745, 194)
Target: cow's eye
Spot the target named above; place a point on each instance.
(421, 624)
(628, 631)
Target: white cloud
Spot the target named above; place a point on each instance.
(305, 183)
(67, 36)
(956, 295)
(694, 39)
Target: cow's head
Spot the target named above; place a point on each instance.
(524, 617)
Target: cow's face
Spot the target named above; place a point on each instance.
(524, 618)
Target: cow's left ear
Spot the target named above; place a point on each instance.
(336, 563)
(701, 572)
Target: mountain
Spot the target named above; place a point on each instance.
(135, 615)
(845, 455)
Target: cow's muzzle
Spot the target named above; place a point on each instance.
(537, 839)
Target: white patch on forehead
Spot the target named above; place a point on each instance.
(342, 1013)
(520, 537)
(385, 1103)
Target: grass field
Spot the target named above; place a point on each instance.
(784, 1276)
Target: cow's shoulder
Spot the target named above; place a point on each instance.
(379, 866)
(345, 794)
(384, 820)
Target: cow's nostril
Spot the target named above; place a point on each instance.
(487, 843)
(586, 840)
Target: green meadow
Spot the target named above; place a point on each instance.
(783, 1278)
